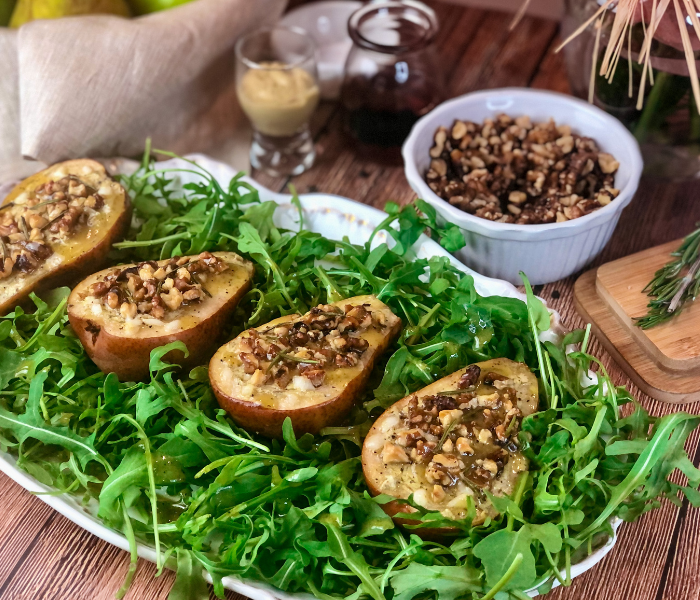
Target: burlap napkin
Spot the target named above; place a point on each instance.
(9, 98)
(99, 85)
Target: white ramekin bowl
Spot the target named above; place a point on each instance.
(544, 252)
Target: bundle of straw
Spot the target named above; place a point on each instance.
(657, 18)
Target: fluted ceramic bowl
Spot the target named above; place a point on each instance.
(544, 252)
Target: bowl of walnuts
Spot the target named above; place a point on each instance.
(535, 180)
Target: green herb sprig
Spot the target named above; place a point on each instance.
(675, 285)
(167, 466)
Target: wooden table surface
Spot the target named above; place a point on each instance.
(45, 556)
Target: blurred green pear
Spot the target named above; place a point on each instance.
(30, 10)
(6, 8)
(144, 7)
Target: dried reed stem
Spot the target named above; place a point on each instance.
(596, 47)
(521, 13)
(583, 27)
(688, 47)
(621, 32)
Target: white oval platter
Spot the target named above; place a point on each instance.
(334, 217)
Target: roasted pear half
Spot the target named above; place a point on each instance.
(121, 314)
(310, 368)
(57, 226)
(453, 440)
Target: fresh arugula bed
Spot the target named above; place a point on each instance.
(169, 468)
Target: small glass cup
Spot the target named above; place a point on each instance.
(277, 86)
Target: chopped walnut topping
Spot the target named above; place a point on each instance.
(470, 377)
(328, 336)
(394, 454)
(50, 214)
(438, 493)
(513, 171)
(476, 439)
(148, 288)
(448, 416)
(463, 446)
(484, 435)
(491, 466)
(435, 473)
(449, 461)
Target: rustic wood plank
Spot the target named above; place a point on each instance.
(682, 576)
(59, 560)
(520, 55)
(549, 75)
(24, 516)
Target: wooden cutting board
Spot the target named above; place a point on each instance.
(663, 361)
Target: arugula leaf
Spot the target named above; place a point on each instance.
(449, 582)
(31, 424)
(189, 581)
(131, 473)
(497, 553)
(157, 363)
(260, 218)
(9, 364)
(340, 550)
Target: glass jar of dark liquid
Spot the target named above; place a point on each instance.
(392, 77)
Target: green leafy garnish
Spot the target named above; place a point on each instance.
(675, 285)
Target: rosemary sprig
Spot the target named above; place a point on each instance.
(282, 355)
(196, 279)
(54, 220)
(47, 203)
(445, 433)
(675, 285)
(293, 358)
(24, 228)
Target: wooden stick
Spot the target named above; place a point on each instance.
(693, 16)
(596, 47)
(583, 27)
(657, 14)
(630, 88)
(610, 49)
(647, 61)
(622, 21)
(689, 55)
(519, 15)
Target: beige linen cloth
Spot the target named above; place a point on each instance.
(99, 85)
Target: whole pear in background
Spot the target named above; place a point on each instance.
(30, 10)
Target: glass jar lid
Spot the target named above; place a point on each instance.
(393, 27)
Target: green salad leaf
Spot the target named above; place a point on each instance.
(168, 468)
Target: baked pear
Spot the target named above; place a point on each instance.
(454, 439)
(122, 313)
(57, 226)
(310, 368)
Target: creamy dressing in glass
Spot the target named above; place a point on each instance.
(278, 99)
